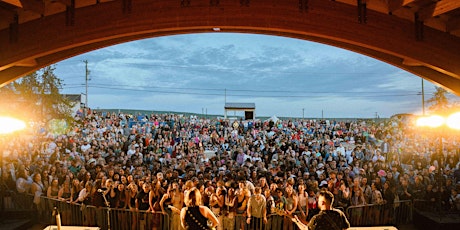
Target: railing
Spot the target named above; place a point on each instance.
(81, 215)
(384, 214)
(440, 211)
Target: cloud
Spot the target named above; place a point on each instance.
(281, 75)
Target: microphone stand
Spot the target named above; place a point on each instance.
(108, 209)
(58, 218)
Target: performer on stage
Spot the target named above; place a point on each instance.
(195, 216)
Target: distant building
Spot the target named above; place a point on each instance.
(248, 108)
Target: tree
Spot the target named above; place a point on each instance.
(37, 97)
(439, 102)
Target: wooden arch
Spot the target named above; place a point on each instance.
(420, 36)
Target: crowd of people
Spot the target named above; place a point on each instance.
(246, 171)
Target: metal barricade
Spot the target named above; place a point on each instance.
(274, 222)
(384, 214)
(85, 215)
(20, 201)
(115, 219)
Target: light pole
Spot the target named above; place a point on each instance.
(440, 124)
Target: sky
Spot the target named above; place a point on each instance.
(284, 77)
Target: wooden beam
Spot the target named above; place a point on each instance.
(27, 62)
(394, 5)
(411, 62)
(16, 3)
(65, 2)
(36, 6)
(7, 14)
(438, 8)
(453, 24)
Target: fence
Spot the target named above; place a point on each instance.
(376, 215)
(81, 215)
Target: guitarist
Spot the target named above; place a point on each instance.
(328, 217)
(196, 216)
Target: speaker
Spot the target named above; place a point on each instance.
(54, 227)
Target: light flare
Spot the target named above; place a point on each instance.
(10, 125)
(453, 121)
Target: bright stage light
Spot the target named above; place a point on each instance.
(435, 121)
(453, 121)
(9, 125)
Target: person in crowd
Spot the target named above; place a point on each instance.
(257, 210)
(270, 208)
(263, 153)
(65, 195)
(75, 190)
(196, 216)
(142, 204)
(37, 189)
(328, 217)
(357, 199)
(454, 200)
(343, 195)
(290, 206)
(279, 210)
(242, 197)
(217, 202)
(132, 198)
(155, 194)
(388, 194)
(23, 181)
(302, 202)
(230, 212)
(85, 198)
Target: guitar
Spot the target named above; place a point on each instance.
(294, 218)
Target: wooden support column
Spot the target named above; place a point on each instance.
(70, 13)
(214, 2)
(362, 11)
(127, 6)
(303, 5)
(185, 3)
(14, 29)
(418, 27)
(245, 3)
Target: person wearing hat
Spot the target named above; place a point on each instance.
(328, 217)
(320, 169)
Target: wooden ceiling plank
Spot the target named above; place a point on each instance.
(36, 6)
(28, 62)
(16, 3)
(7, 14)
(453, 24)
(66, 2)
(438, 8)
(394, 5)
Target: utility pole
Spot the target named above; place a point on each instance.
(303, 113)
(86, 82)
(423, 99)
